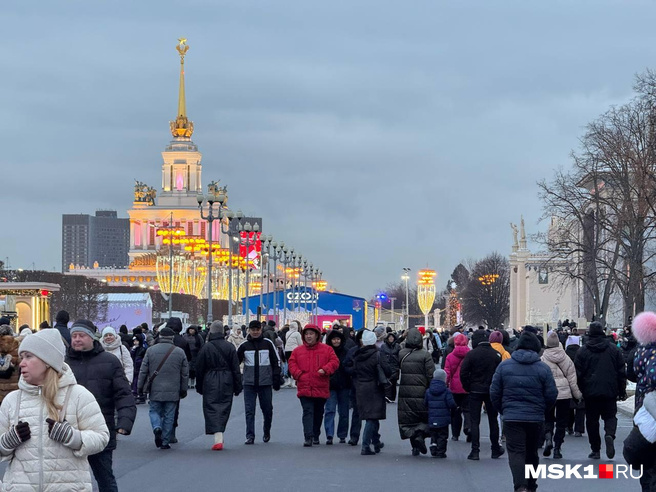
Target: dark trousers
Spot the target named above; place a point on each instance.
(460, 414)
(371, 434)
(312, 416)
(522, 441)
(101, 465)
(175, 418)
(356, 423)
(595, 408)
(390, 391)
(265, 395)
(577, 419)
(557, 415)
(439, 438)
(476, 401)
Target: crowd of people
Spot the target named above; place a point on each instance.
(77, 388)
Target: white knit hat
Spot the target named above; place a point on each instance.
(47, 345)
(108, 330)
(368, 338)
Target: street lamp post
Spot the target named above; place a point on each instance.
(266, 245)
(392, 299)
(286, 259)
(210, 217)
(406, 277)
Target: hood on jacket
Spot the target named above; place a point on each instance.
(525, 356)
(437, 387)
(597, 343)
(336, 334)
(413, 340)
(460, 351)
(195, 327)
(460, 340)
(555, 355)
(394, 338)
(175, 324)
(479, 336)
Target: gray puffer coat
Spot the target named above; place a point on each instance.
(563, 371)
(172, 377)
(417, 369)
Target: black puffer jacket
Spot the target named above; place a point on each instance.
(102, 374)
(218, 379)
(389, 355)
(600, 369)
(417, 369)
(371, 395)
(339, 379)
(478, 368)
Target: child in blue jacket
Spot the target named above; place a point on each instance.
(439, 401)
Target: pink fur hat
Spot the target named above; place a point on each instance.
(644, 327)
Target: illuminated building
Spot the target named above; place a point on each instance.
(169, 218)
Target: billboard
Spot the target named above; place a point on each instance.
(250, 248)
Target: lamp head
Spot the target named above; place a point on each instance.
(221, 198)
(239, 215)
(200, 198)
(256, 227)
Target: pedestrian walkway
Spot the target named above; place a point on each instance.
(284, 465)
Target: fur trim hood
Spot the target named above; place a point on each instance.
(644, 327)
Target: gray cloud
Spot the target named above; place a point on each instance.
(371, 135)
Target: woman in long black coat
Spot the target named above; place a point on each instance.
(417, 369)
(371, 394)
(217, 378)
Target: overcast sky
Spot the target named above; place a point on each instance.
(370, 135)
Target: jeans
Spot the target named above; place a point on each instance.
(161, 415)
(356, 423)
(339, 399)
(439, 439)
(101, 465)
(371, 433)
(312, 416)
(265, 394)
(460, 414)
(558, 415)
(476, 401)
(522, 441)
(606, 408)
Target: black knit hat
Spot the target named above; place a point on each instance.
(255, 324)
(271, 323)
(62, 317)
(528, 341)
(166, 332)
(174, 323)
(530, 329)
(478, 337)
(596, 329)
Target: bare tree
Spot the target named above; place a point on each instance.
(486, 297)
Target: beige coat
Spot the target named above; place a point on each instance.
(41, 463)
(563, 371)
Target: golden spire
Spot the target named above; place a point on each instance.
(182, 127)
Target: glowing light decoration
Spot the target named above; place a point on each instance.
(426, 292)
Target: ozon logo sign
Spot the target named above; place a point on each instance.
(302, 297)
(556, 472)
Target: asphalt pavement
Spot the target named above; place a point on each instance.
(284, 464)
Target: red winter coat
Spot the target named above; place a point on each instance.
(452, 368)
(304, 365)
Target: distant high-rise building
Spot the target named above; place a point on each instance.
(103, 238)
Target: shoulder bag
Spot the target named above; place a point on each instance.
(152, 377)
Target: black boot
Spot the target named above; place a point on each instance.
(557, 454)
(548, 444)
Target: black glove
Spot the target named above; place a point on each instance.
(16, 435)
(183, 395)
(276, 386)
(623, 397)
(61, 432)
(237, 393)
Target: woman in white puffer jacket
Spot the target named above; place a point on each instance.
(50, 424)
(293, 340)
(114, 345)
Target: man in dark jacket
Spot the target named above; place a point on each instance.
(218, 379)
(102, 374)
(61, 323)
(340, 392)
(476, 373)
(601, 374)
(522, 390)
(261, 375)
(269, 331)
(167, 387)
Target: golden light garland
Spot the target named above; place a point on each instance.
(426, 290)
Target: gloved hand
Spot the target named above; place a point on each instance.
(16, 435)
(60, 431)
(276, 386)
(623, 396)
(183, 395)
